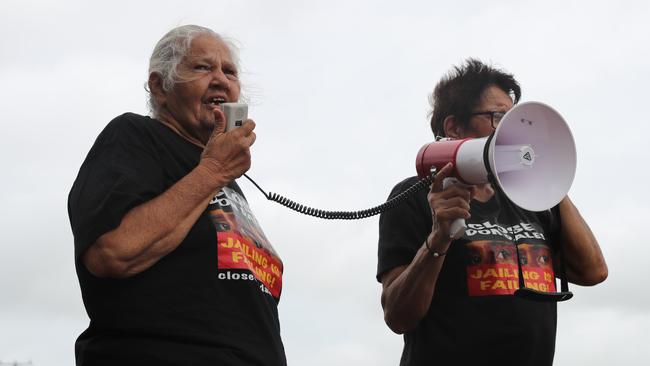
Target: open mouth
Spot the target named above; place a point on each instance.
(215, 102)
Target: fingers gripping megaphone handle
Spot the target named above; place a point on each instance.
(458, 226)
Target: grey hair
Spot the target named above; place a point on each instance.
(170, 52)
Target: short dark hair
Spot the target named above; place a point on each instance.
(459, 91)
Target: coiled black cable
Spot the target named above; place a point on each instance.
(347, 215)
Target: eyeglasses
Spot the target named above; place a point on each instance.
(495, 117)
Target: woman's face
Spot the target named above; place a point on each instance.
(207, 77)
(493, 99)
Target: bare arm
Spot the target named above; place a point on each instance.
(408, 290)
(585, 263)
(153, 229)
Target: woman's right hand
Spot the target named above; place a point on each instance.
(448, 204)
(227, 154)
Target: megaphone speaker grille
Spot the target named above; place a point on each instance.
(533, 156)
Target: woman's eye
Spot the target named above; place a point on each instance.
(202, 67)
(230, 72)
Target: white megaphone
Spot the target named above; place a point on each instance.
(531, 155)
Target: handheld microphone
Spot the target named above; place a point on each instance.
(236, 114)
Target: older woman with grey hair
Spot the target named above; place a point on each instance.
(173, 266)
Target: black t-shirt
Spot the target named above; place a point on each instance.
(211, 301)
(474, 319)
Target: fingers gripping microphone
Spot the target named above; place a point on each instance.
(531, 156)
(457, 227)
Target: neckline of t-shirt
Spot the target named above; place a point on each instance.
(489, 206)
(173, 132)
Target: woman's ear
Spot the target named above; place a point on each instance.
(452, 127)
(155, 84)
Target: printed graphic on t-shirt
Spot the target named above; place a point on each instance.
(492, 259)
(492, 268)
(514, 233)
(242, 245)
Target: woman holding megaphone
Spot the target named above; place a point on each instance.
(485, 294)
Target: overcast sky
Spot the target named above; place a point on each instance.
(339, 91)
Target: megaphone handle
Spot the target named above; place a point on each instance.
(457, 227)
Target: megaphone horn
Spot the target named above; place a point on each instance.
(531, 155)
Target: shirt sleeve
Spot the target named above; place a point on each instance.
(120, 172)
(403, 229)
